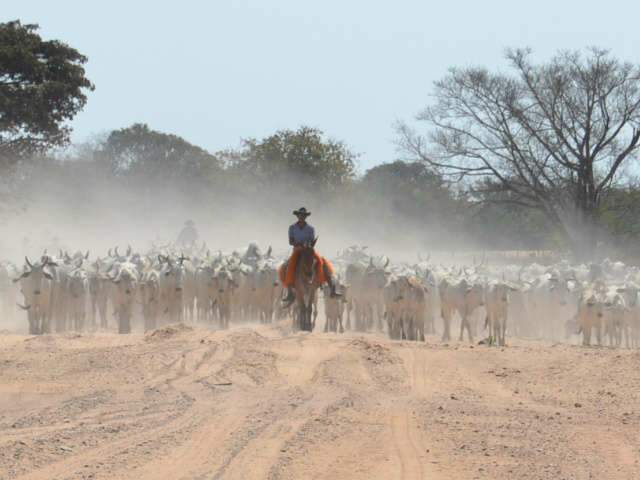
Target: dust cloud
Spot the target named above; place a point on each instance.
(79, 205)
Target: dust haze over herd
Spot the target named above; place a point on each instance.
(468, 305)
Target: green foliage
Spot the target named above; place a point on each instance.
(303, 156)
(42, 85)
(138, 151)
(411, 191)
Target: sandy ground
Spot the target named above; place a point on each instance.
(262, 403)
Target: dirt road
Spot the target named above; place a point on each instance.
(262, 403)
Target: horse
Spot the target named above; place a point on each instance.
(306, 286)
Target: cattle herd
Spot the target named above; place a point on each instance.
(589, 302)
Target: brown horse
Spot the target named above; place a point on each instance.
(306, 285)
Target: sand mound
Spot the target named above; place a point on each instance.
(167, 332)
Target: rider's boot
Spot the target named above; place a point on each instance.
(290, 296)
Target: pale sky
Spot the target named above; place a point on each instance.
(217, 71)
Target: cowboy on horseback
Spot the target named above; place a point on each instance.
(300, 234)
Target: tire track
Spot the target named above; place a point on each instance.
(411, 467)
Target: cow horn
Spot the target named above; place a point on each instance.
(26, 259)
(386, 263)
(116, 250)
(109, 253)
(86, 255)
(128, 250)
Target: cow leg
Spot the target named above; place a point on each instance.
(599, 334)
(349, 307)
(406, 327)
(394, 327)
(387, 317)
(31, 318)
(446, 334)
(420, 328)
(379, 314)
(627, 340)
(466, 323)
(586, 335)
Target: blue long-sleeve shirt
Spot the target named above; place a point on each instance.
(301, 235)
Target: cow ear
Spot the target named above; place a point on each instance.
(48, 276)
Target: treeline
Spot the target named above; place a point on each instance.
(160, 178)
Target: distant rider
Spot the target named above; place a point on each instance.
(188, 235)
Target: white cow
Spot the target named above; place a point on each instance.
(36, 287)
(126, 282)
(497, 307)
(462, 296)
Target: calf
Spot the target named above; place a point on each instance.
(334, 307)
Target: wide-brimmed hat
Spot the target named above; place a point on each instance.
(301, 211)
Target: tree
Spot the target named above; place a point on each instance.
(407, 197)
(498, 224)
(42, 86)
(410, 189)
(555, 136)
(303, 156)
(142, 153)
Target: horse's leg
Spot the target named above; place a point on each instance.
(327, 319)
(304, 317)
(313, 304)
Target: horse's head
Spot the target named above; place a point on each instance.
(307, 260)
